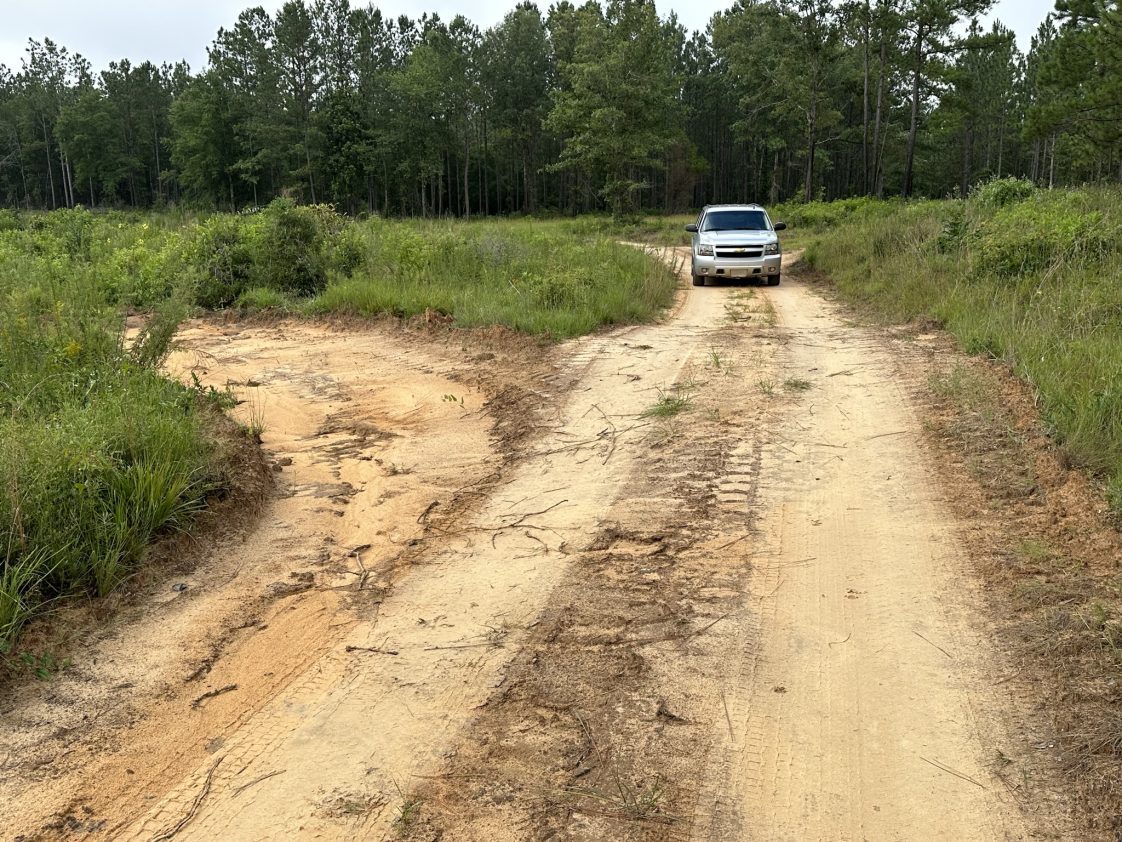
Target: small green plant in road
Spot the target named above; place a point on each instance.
(407, 814)
(408, 811)
(796, 384)
(766, 385)
(719, 362)
(668, 404)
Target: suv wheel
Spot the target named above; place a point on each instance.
(699, 280)
(773, 280)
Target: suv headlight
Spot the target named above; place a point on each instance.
(705, 251)
(771, 248)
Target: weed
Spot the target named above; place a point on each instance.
(766, 386)
(630, 801)
(98, 452)
(795, 384)
(43, 666)
(409, 810)
(720, 362)
(552, 278)
(668, 404)
(220, 399)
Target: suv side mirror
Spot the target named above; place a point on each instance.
(691, 229)
(780, 226)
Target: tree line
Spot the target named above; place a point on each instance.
(580, 108)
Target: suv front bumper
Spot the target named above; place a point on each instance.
(729, 267)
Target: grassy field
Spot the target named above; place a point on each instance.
(1032, 278)
(99, 453)
(559, 278)
(555, 278)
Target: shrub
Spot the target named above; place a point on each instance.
(290, 248)
(68, 231)
(1032, 236)
(999, 192)
(348, 252)
(223, 258)
(10, 220)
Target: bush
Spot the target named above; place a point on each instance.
(999, 192)
(10, 220)
(1037, 235)
(290, 248)
(823, 215)
(222, 255)
(286, 248)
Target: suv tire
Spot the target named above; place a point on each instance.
(773, 280)
(699, 280)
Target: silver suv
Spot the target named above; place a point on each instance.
(735, 241)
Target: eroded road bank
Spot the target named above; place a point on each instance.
(692, 580)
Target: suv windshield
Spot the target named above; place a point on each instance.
(739, 220)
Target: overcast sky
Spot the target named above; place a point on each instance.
(169, 30)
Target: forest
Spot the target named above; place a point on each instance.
(581, 108)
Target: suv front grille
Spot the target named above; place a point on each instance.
(740, 251)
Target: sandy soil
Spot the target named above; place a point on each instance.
(500, 599)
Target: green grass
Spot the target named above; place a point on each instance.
(556, 278)
(98, 451)
(1032, 278)
(668, 404)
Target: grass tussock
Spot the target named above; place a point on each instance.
(1029, 277)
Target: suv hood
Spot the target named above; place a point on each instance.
(741, 238)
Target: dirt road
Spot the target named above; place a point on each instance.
(694, 580)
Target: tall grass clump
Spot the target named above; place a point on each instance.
(98, 451)
(541, 277)
(1027, 276)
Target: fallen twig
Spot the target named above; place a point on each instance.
(734, 541)
(728, 718)
(943, 768)
(210, 694)
(256, 781)
(182, 823)
(462, 646)
(883, 435)
(936, 645)
(377, 650)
